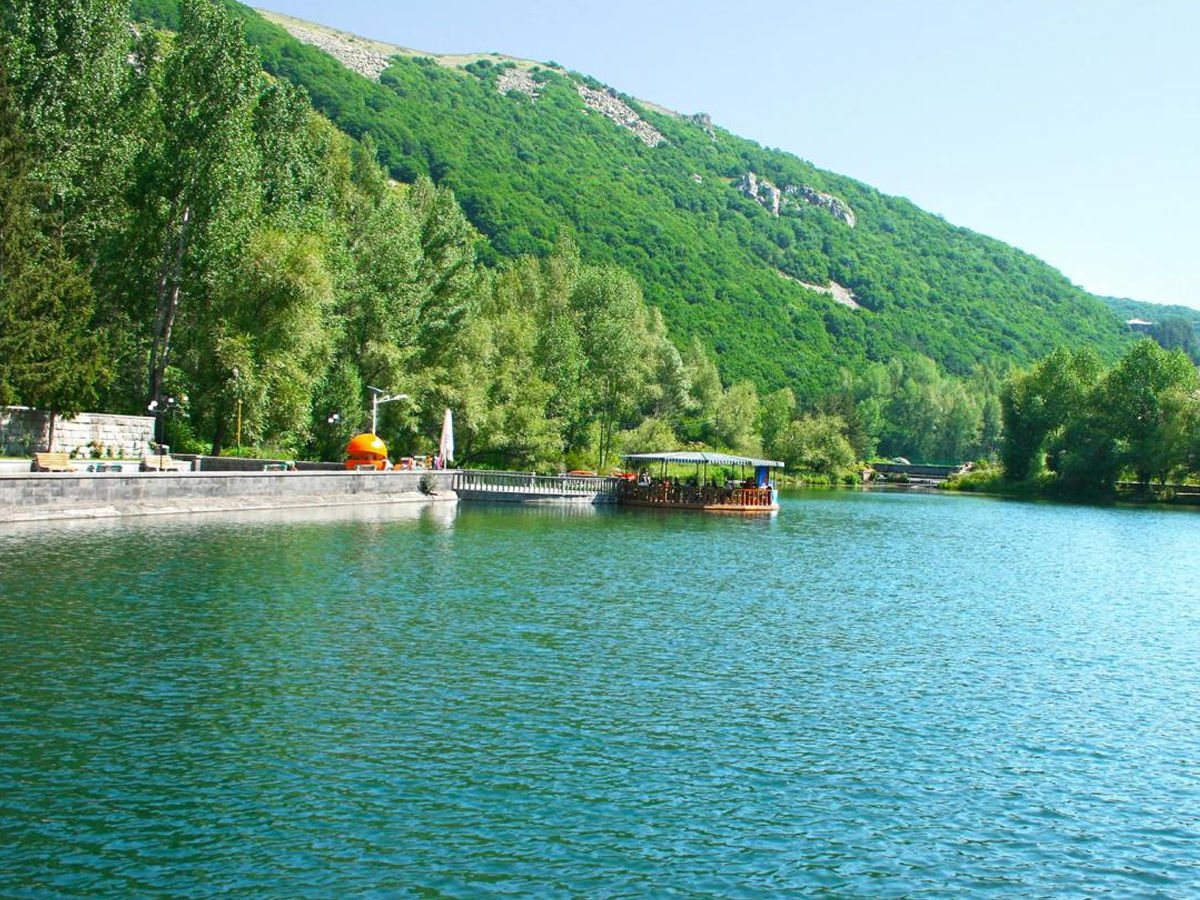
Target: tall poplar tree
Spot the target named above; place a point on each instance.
(201, 173)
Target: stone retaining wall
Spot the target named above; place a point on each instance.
(77, 495)
(25, 431)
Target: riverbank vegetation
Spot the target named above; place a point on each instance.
(1075, 427)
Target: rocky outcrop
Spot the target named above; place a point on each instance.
(609, 105)
(704, 120)
(777, 200)
(835, 206)
(519, 80)
(761, 190)
(354, 56)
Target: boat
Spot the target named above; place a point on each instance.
(745, 494)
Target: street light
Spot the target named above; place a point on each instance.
(237, 384)
(167, 407)
(377, 400)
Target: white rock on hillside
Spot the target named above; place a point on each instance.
(518, 80)
(769, 196)
(367, 63)
(609, 105)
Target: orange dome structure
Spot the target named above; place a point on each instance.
(366, 450)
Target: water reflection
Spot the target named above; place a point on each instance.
(440, 514)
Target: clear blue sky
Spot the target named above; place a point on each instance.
(1069, 128)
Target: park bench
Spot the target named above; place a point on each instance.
(52, 462)
(159, 463)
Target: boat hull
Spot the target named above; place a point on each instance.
(700, 507)
(703, 498)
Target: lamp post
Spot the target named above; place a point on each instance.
(161, 411)
(238, 388)
(377, 400)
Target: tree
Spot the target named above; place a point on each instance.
(447, 271)
(1039, 403)
(612, 315)
(69, 63)
(736, 422)
(776, 414)
(1178, 333)
(277, 312)
(50, 356)
(817, 444)
(199, 177)
(1149, 403)
(706, 389)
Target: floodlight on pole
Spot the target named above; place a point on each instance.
(377, 400)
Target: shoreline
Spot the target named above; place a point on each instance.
(213, 505)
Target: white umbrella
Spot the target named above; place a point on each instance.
(446, 448)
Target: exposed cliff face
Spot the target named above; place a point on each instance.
(609, 105)
(777, 200)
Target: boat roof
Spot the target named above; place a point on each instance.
(696, 456)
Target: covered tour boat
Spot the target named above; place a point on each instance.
(706, 490)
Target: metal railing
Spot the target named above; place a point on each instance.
(495, 482)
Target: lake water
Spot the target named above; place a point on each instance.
(867, 695)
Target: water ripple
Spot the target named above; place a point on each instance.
(889, 695)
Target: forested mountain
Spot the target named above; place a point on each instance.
(204, 214)
(182, 233)
(722, 234)
(1173, 327)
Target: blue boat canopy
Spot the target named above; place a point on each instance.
(692, 456)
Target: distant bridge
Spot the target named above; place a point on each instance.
(518, 487)
(919, 473)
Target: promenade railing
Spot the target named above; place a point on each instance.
(499, 482)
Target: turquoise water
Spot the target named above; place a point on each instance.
(867, 695)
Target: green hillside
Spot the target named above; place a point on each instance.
(719, 264)
(1173, 327)
(186, 233)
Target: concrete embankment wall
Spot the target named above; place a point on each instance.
(69, 495)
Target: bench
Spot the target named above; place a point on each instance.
(51, 462)
(275, 467)
(159, 463)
